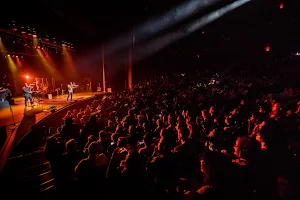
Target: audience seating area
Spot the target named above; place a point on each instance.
(180, 137)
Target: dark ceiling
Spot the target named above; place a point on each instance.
(86, 23)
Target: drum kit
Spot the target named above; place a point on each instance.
(38, 91)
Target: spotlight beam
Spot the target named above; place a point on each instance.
(50, 67)
(162, 22)
(14, 70)
(156, 45)
(70, 66)
(154, 26)
(2, 47)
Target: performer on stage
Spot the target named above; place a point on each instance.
(71, 87)
(27, 94)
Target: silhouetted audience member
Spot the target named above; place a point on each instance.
(69, 130)
(69, 160)
(53, 152)
(90, 128)
(90, 171)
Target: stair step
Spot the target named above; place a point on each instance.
(47, 185)
(24, 161)
(32, 182)
(49, 189)
(34, 170)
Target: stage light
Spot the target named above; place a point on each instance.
(281, 6)
(158, 44)
(27, 77)
(29, 31)
(34, 33)
(8, 55)
(46, 37)
(14, 26)
(23, 30)
(267, 48)
(155, 25)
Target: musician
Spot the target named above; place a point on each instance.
(71, 88)
(27, 94)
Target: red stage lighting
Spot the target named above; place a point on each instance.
(281, 6)
(23, 30)
(27, 77)
(14, 26)
(268, 48)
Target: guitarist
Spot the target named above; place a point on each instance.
(27, 94)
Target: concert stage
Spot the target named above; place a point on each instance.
(15, 117)
(44, 107)
(26, 117)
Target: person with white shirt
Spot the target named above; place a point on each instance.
(71, 88)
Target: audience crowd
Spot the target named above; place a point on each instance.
(184, 136)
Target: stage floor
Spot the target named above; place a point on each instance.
(17, 111)
(17, 130)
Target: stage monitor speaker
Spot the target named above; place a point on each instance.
(53, 111)
(109, 90)
(30, 113)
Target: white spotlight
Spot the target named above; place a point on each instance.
(158, 44)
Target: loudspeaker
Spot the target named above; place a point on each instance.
(29, 113)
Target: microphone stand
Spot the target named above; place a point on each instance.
(74, 92)
(8, 98)
(12, 114)
(62, 91)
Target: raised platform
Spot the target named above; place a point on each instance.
(18, 110)
(20, 119)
